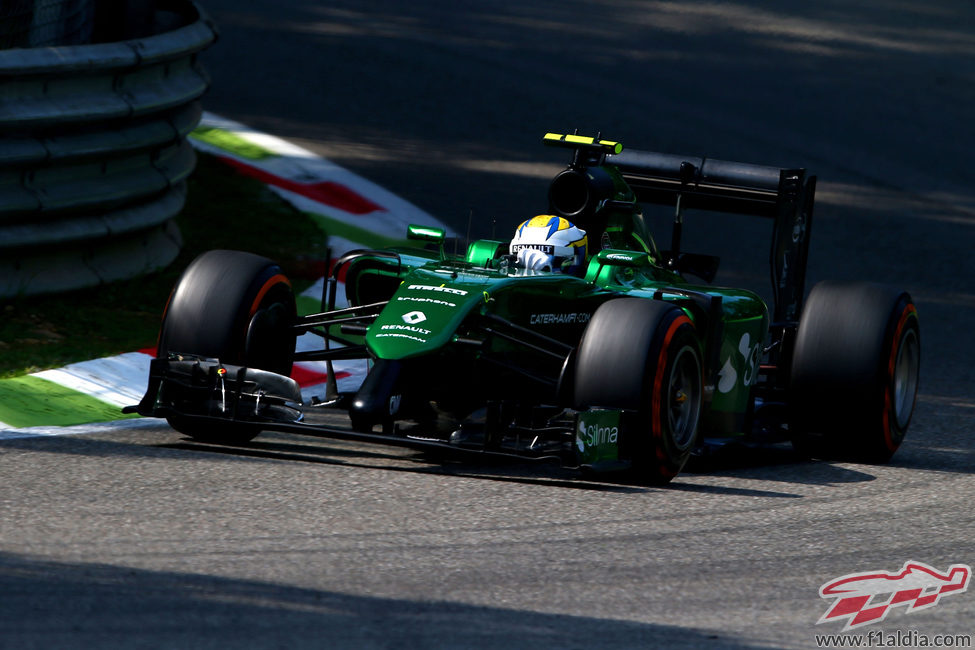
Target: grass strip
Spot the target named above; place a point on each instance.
(231, 142)
(366, 238)
(32, 401)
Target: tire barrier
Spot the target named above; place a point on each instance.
(94, 156)
(38, 23)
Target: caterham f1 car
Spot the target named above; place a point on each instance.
(633, 362)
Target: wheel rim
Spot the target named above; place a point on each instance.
(684, 397)
(905, 377)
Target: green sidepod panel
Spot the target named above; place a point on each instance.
(744, 327)
(746, 323)
(433, 301)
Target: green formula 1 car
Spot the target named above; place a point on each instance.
(615, 360)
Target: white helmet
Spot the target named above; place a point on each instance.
(550, 243)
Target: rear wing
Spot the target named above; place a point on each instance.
(784, 195)
(708, 184)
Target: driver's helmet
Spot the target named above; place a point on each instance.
(550, 243)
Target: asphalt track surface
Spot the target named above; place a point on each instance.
(138, 538)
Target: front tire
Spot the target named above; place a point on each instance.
(855, 371)
(644, 356)
(237, 307)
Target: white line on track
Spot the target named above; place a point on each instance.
(82, 429)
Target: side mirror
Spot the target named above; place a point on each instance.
(425, 233)
(428, 234)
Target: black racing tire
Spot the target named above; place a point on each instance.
(237, 307)
(644, 355)
(855, 371)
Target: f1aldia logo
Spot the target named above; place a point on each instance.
(866, 598)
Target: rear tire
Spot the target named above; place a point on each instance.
(855, 371)
(236, 307)
(644, 355)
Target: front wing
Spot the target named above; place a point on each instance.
(185, 386)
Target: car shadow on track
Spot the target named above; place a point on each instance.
(778, 463)
(460, 465)
(772, 464)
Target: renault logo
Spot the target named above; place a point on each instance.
(414, 317)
